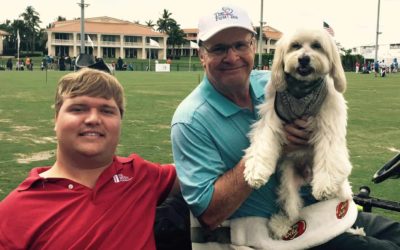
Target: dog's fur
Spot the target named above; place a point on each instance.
(325, 163)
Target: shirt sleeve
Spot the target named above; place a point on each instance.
(159, 177)
(198, 164)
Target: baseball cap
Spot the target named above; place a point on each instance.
(225, 17)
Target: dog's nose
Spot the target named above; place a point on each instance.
(304, 60)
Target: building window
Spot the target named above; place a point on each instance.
(395, 46)
(109, 52)
(108, 38)
(153, 53)
(272, 42)
(62, 50)
(131, 53)
(61, 36)
(131, 39)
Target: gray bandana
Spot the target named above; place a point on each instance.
(292, 104)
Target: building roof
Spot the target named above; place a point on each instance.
(272, 33)
(269, 32)
(191, 30)
(105, 25)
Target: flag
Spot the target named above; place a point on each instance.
(154, 43)
(193, 45)
(90, 41)
(329, 29)
(18, 39)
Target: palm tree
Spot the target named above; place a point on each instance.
(164, 22)
(176, 36)
(32, 20)
(150, 24)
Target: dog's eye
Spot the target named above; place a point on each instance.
(295, 46)
(316, 45)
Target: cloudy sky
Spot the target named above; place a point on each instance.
(354, 21)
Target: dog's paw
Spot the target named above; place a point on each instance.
(255, 174)
(279, 225)
(324, 188)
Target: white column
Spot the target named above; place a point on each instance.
(121, 46)
(165, 48)
(143, 47)
(99, 52)
(49, 43)
(74, 43)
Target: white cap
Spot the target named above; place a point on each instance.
(225, 17)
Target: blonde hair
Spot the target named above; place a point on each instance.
(89, 82)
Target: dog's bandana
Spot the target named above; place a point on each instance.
(300, 99)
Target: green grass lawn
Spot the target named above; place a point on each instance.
(27, 137)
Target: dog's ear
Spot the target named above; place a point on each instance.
(337, 72)
(278, 66)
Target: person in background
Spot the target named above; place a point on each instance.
(9, 64)
(357, 67)
(376, 68)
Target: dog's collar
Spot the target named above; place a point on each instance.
(288, 107)
(300, 89)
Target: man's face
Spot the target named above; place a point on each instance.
(88, 127)
(230, 69)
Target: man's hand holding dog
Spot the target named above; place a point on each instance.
(297, 134)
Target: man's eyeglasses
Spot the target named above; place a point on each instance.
(240, 47)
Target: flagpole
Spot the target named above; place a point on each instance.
(18, 68)
(83, 5)
(18, 41)
(377, 32)
(260, 37)
(149, 59)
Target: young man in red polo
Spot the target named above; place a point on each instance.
(89, 198)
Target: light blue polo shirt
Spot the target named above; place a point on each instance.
(209, 133)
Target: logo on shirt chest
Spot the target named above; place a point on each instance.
(121, 178)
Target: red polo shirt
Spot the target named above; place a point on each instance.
(57, 213)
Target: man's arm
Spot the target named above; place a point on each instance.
(231, 189)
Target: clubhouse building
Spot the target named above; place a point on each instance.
(106, 37)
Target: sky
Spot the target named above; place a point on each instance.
(353, 21)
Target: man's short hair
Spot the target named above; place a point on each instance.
(89, 82)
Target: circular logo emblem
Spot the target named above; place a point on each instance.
(341, 209)
(227, 10)
(296, 230)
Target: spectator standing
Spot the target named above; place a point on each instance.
(120, 63)
(357, 67)
(376, 68)
(383, 68)
(28, 63)
(9, 64)
(61, 63)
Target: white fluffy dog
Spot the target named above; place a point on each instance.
(307, 81)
